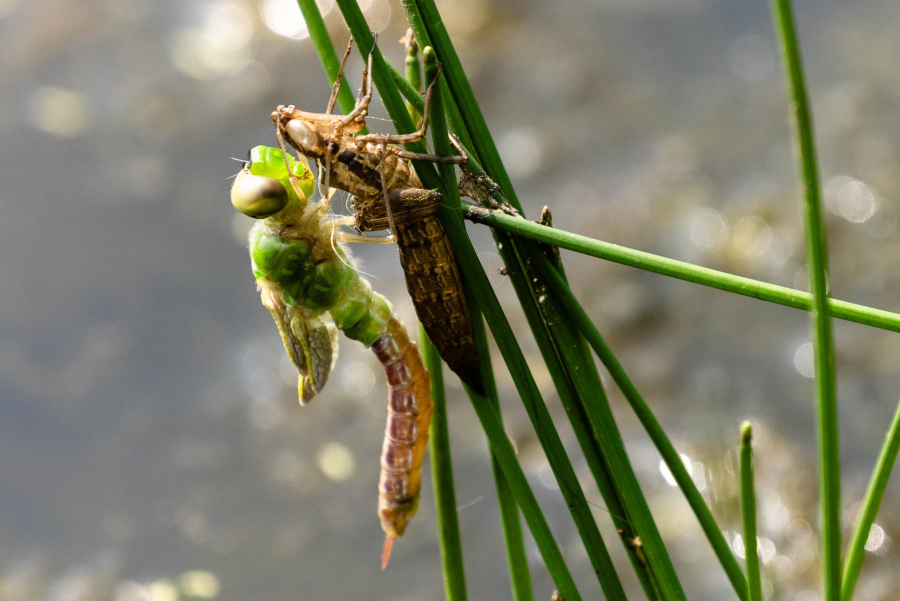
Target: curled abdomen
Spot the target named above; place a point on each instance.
(406, 433)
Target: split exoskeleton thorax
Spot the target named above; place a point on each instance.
(352, 165)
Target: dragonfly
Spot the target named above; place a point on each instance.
(307, 280)
(387, 194)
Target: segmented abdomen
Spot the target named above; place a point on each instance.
(435, 286)
(406, 433)
(432, 276)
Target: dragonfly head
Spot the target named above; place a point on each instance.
(257, 195)
(265, 187)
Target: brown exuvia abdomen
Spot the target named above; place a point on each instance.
(432, 275)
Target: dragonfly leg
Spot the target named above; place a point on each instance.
(431, 158)
(337, 82)
(416, 136)
(361, 239)
(359, 111)
(339, 220)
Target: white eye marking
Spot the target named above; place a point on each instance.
(303, 135)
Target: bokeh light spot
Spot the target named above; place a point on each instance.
(667, 473)
(7, 6)
(162, 590)
(228, 26)
(284, 17)
(851, 199)
(521, 151)
(59, 112)
(804, 361)
(751, 57)
(192, 53)
(876, 538)
(753, 236)
(358, 379)
(708, 229)
(336, 461)
(199, 584)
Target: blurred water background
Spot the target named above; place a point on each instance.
(151, 444)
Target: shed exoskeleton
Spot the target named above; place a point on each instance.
(387, 194)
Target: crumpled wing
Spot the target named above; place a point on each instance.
(310, 343)
(319, 339)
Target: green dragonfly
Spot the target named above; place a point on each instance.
(307, 281)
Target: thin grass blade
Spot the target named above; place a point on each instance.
(538, 413)
(779, 295)
(823, 343)
(869, 509)
(442, 475)
(748, 514)
(662, 443)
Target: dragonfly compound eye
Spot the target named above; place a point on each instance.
(304, 137)
(257, 196)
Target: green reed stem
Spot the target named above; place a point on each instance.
(869, 509)
(823, 343)
(413, 75)
(520, 577)
(537, 411)
(651, 425)
(594, 545)
(442, 475)
(517, 560)
(450, 108)
(474, 122)
(579, 386)
(780, 295)
(502, 332)
(465, 98)
(748, 513)
(559, 348)
(331, 64)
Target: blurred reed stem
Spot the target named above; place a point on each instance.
(442, 476)
(823, 343)
(748, 514)
(869, 509)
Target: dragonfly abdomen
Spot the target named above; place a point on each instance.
(406, 432)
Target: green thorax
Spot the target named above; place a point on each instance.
(297, 253)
